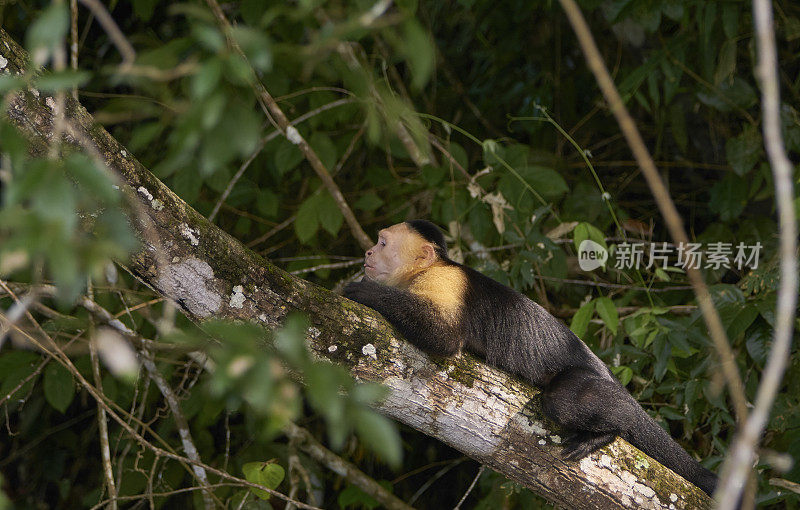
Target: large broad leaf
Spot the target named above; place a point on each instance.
(380, 435)
(48, 29)
(268, 474)
(287, 157)
(744, 151)
(330, 217)
(546, 181)
(584, 231)
(419, 53)
(728, 197)
(58, 387)
(580, 321)
(307, 221)
(608, 312)
(325, 149)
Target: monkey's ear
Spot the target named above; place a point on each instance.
(428, 255)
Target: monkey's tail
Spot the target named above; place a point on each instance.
(648, 436)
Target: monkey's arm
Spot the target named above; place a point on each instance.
(416, 318)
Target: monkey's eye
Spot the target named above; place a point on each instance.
(383, 243)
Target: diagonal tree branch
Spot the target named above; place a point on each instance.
(475, 408)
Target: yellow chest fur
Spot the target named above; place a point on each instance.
(444, 286)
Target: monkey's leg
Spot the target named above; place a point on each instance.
(595, 410)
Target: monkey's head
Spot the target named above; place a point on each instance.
(403, 250)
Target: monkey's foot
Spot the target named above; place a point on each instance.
(580, 444)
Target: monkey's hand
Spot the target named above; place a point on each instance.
(366, 292)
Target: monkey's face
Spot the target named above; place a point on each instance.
(397, 256)
(389, 255)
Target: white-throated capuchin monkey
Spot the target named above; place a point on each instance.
(442, 306)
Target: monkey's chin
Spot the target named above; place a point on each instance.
(370, 273)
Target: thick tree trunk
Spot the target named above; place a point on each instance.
(474, 408)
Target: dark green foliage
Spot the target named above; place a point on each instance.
(506, 93)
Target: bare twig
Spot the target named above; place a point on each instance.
(430, 481)
(277, 116)
(335, 265)
(664, 201)
(182, 426)
(306, 442)
(742, 453)
(102, 422)
(471, 486)
(73, 45)
(163, 494)
(15, 313)
(114, 33)
(785, 484)
(285, 223)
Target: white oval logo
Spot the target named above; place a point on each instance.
(591, 255)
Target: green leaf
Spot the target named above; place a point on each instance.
(662, 275)
(13, 144)
(608, 312)
(726, 65)
(14, 360)
(740, 321)
(49, 29)
(380, 435)
(663, 351)
(546, 181)
(62, 80)
(352, 496)
(330, 217)
(673, 9)
(584, 231)
(144, 8)
(580, 321)
(730, 19)
(59, 389)
(287, 157)
(325, 149)
(9, 82)
(744, 151)
(93, 179)
(269, 474)
(792, 29)
(758, 342)
(267, 203)
(728, 197)
(206, 79)
(255, 45)
(729, 95)
(13, 378)
(368, 202)
(419, 53)
(624, 374)
(307, 221)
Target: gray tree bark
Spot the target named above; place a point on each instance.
(477, 409)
